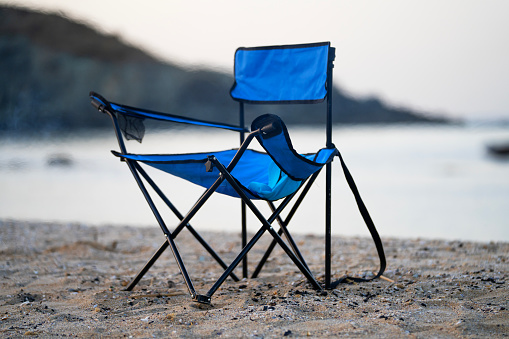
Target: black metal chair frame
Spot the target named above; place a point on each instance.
(139, 173)
(291, 249)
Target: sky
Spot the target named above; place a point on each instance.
(447, 57)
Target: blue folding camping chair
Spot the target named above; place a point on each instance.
(286, 74)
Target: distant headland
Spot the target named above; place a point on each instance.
(50, 63)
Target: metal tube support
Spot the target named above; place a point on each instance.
(242, 204)
(163, 198)
(247, 248)
(118, 133)
(328, 244)
(235, 262)
(147, 266)
(266, 226)
(166, 232)
(244, 238)
(330, 67)
(211, 251)
(289, 238)
(287, 221)
(328, 171)
(181, 217)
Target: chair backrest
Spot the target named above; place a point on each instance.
(281, 74)
(286, 74)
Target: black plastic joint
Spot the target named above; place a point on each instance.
(202, 299)
(332, 54)
(98, 105)
(209, 165)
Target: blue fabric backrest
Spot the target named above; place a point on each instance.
(281, 74)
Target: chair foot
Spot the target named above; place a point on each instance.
(202, 299)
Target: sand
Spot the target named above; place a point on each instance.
(68, 280)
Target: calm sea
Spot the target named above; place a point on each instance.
(417, 181)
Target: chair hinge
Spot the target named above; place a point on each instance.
(209, 165)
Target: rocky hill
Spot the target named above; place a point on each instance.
(49, 64)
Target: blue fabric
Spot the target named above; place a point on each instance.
(270, 176)
(256, 172)
(281, 73)
(143, 113)
(278, 185)
(277, 143)
(324, 155)
(297, 166)
(167, 117)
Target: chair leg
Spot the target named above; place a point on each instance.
(266, 256)
(266, 227)
(226, 175)
(296, 261)
(147, 266)
(167, 233)
(235, 262)
(247, 248)
(244, 238)
(212, 252)
(160, 251)
(289, 217)
(289, 238)
(169, 236)
(328, 221)
(181, 266)
(181, 217)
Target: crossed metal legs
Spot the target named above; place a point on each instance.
(266, 226)
(136, 170)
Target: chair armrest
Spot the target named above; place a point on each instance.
(274, 138)
(102, 104)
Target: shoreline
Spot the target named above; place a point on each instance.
(67, 279)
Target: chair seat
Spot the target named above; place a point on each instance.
(256, 172)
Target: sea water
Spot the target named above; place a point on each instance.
(417, 181)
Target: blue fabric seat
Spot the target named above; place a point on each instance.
(268, 184)
(259, 174)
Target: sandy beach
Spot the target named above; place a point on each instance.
(61, 280)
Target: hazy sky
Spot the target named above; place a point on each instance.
(445, 56)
